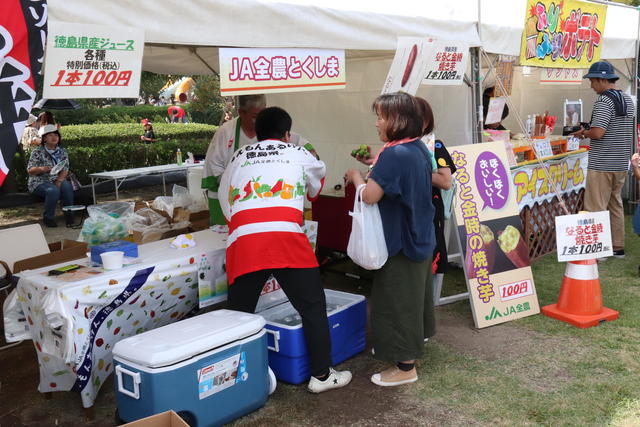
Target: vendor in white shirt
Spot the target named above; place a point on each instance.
(232, 135)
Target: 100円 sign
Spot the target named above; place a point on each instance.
(92, 61)
(583, 236)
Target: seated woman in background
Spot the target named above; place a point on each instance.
(149, 136)
(48, 156)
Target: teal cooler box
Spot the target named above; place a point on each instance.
(210, 369)
(288, 354)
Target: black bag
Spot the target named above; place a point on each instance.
(74, 181)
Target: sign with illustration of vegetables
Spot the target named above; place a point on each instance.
(562, 33)
(496, 254)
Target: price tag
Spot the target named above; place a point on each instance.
(583, 236)
(573, 143)
(542, 147)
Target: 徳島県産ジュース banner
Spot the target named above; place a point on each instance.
(562, 34)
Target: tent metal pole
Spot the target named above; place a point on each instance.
(476, 87)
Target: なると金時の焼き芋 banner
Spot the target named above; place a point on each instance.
(562, 34)
(496, 254)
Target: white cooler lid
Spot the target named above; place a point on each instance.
(182, 340)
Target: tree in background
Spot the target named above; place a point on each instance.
(152, 83)
(207, 103)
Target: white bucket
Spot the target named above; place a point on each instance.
(112, 260)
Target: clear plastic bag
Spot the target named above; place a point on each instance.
(164, 203)
(181, 196)
(107, 222)
(147, 221)
(367, 246)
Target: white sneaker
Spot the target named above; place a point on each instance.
(336, 379)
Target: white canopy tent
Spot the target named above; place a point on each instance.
(183, 36)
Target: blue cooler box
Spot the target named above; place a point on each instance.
(288, 354)
(210, 369)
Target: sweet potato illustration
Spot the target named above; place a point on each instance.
(410, 63)
(489, 248)
(514, 247)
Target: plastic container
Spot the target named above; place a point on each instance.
(130, 249)
(288, 354)
(210, 369)
(179, 157)
(112, 260)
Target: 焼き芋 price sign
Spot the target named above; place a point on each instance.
(496, 254)
(446, 63)
(562, 34)
(583, 236)
(90, 61)
(245, 71)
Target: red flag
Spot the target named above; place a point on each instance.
(23, 30)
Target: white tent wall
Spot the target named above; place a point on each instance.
(502, 23)
(336, 122)
(529, 96)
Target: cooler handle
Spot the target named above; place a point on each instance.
(276, 340)
(135, 376)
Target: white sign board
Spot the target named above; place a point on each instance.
(409, 65)
(573, 143)
(561, 76)
(92, 61)
(494, 112)
(583, 236)
(446, 63)
(245, 71)
(542, 148)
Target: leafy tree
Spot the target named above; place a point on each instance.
(152, 83)
(206, 107)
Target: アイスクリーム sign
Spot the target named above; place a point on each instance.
(496, 255)
(90, 61)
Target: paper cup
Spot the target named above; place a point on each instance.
(112, 260)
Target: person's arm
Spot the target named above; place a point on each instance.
(372, 193)
(38, 170)
(603, 113)
(35, 165)
(635, 165)
(314, 172)
(441, 178)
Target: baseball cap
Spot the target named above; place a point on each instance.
(47, 129)
(601, 70)
(31, 120)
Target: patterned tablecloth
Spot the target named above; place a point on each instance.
(75, 319)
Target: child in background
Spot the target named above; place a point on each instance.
(149, 136)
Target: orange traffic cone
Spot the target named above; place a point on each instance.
(580, 300)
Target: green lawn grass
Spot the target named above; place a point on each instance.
(565, 376)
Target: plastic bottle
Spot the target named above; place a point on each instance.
(529, 125)
(179, 157)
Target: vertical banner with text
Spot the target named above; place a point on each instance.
(91, 61)
(496, 255)
(245, 71)
(562, 34)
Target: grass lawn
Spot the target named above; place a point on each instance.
(548, 372)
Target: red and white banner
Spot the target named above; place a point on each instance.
(249, 71)
(90, 61)
(23, 31)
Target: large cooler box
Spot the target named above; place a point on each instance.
(210, 369)
(288, 354)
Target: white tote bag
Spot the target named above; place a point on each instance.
(367, 246)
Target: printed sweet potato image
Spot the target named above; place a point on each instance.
(409, 67)
(489, 248)
(514, 247)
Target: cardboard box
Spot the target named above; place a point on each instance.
(164, 419)
(65, 250)
(194, 222)
(179, 214)
(199, 221)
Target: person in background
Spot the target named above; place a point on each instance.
(234, 134)
(149, 136)
(263, 204)
(611, 134)
(486, 99)
(176, 114)
(400, 182)
(441, 178)
(52, 188)
(46, 118)
(30, 138)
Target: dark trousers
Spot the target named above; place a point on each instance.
(304, 289)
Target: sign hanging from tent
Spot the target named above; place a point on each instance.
(409, 65)
(245, 71)
(496, 265)
(446, 63)
(91, 61)
(583, 236)
(562, 34)
(561, 76)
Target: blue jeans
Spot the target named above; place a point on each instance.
(52, 194)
